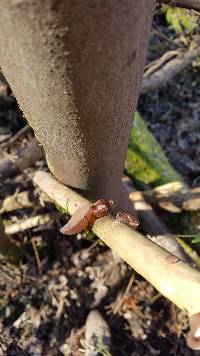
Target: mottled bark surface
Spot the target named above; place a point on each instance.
(75, 68)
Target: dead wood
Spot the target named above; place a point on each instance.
(21, 200)
(152, 224)
(177, 281)
(160, 72)
(31, 222)
(27, 157)
(174, 197)
(190, 252)
(14, 138)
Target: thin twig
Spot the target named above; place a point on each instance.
(126, 292)
(164, 69)
(31, 222)
(190, 252)
(162, 36)
(37, 257)
(14, 138)
(93, 245)
(151, 222)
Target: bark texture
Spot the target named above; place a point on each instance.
(75, 68)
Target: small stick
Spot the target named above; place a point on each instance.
(31, 222)
(61, 303)
(14, 138)
(93, 245)
(178, 281)
(151, 222)
(37, 257)
(127, 290)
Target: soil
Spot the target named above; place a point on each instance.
(44, 312)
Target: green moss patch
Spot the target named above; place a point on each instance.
(146, 162)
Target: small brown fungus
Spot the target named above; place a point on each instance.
(129, 219)
(85, 217)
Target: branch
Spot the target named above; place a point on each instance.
(177, 281)
(21, 200)
(165, 68)
(14, 138)
(152, 224)
(31, 222)
(27, 157)
(174, 197)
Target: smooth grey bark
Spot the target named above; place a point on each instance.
(75, 68)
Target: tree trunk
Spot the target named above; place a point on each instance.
(75, 68)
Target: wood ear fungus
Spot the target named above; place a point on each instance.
(84, 217)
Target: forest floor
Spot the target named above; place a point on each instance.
(43, 307)
(172, 112)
